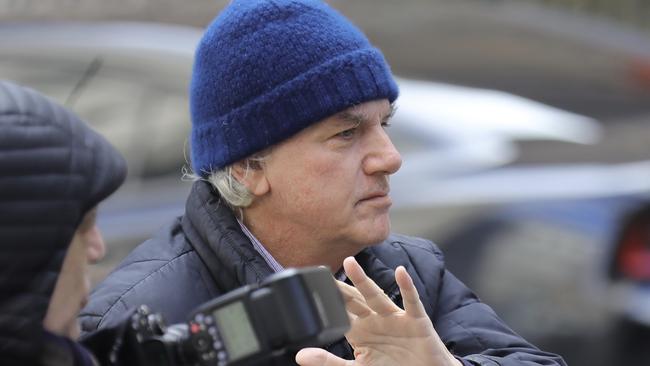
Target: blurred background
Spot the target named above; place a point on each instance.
(524, 128)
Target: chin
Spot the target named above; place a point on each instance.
(367, 232)
(376, 234)
(380, 238)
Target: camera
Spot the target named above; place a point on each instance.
(290, 310)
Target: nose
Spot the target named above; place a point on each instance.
(96, 249)
(383, 157)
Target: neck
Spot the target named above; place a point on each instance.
(293, 248)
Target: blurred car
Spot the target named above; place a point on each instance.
(567, 274)
(536, 242)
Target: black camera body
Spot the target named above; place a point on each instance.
(290, 310)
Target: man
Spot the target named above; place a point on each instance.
(54, 170)
(289, 105)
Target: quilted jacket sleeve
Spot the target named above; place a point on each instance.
(469, 328)
(473, 331)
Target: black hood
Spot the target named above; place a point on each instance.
(53, 169)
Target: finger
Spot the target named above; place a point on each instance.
(350, 293)
(352, 316)
(354, 301)
(358, 308)
(347, 290)
(374, 296)
(412, 304)
(320, 357)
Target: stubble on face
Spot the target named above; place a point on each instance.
(329, 188)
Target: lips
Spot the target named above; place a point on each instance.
(378, 192)
(374, 195)
(380, 197)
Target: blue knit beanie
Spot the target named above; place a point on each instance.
(265, 69)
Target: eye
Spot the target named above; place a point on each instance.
(347, 134)
(386, 124)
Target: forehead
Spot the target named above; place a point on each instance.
(376, 110)
(368, 110)
(373, 111)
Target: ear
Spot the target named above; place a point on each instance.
(254, 178)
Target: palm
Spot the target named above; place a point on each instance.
(383, 340)
(383, 334)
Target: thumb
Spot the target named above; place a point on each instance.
(320, 357)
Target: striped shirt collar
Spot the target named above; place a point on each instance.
(275, 266)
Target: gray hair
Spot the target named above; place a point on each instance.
(232, 191)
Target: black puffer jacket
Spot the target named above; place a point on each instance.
(204, 254)
(53, 169)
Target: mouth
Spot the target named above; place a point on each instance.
(380, 197)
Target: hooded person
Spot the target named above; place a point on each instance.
(54, 171)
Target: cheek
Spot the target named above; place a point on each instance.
(330, 186)
(303, 186)
(314, 180)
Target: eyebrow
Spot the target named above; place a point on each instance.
(349, 116)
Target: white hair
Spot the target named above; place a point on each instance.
(232, 191)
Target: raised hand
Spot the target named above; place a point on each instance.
(382, 334)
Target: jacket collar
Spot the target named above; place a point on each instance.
(213, 231)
